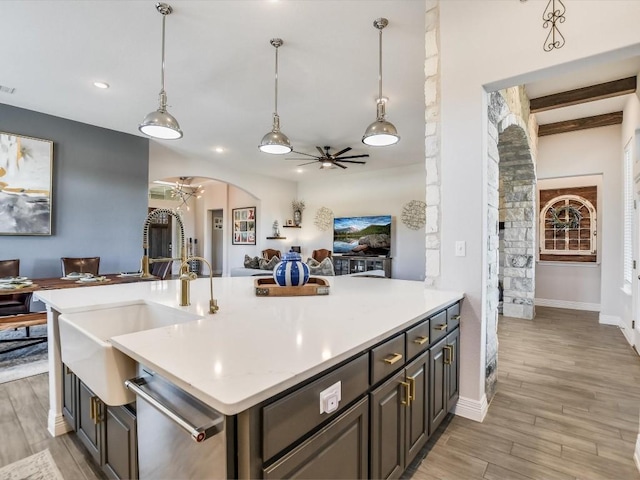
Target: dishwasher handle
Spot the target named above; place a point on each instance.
(198, 434)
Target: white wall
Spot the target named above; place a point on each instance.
(381, 192)
(631, 136)
(574, 157)
(502, 47)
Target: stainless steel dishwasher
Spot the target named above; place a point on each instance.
(179, 437)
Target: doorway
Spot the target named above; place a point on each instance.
(217, 239)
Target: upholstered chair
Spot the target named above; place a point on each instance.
(81, 265)
(320, 254)
(161, 269)
(269, 253)
(15, 303)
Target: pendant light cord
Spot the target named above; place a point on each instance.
(276, 96)
(163, 94)
(380, 68)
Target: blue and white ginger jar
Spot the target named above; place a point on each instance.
(291, 271)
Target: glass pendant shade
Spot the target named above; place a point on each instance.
(380, 133)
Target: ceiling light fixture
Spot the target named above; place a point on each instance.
(160, 123)
(183, 191)
(381, 132)
(275, 141)
(102, 85)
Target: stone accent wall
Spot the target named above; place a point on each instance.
(432, 141)
(511, 187)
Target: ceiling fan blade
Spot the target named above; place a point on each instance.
(338, 165)
(308, 163)
(354, 156)
(322, 152)
(341, 152)
(350, 161)
(306, 154)
(301, 159)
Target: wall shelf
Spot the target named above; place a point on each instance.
(276, 238)
(291, 226)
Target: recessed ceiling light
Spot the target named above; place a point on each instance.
(219, 150)
(300, 170)
(101, 85)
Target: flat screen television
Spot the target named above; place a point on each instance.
(362, 235)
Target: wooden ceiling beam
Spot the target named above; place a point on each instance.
(614, 118)
(583, 95)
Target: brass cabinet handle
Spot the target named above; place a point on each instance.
(421, 340)
(447, 356)
(442, 326)
(452, 357)
(455, 317)
(407, 394)
(412, 383)
(92, 410)
(392, 358)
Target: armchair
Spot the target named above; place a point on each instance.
(269, 253)
(320, 254)
(15, 303)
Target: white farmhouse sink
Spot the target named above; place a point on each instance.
(87, 351)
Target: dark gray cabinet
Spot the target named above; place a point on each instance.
(387, 427)
(444, 377)
(400, 419)
(108, 433)
(339, 450)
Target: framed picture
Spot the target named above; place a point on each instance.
(26, 169)
(244, 226)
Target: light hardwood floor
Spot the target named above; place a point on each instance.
(23, 429)
(567, 406)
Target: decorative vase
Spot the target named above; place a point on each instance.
(297, 217)
(291, 271)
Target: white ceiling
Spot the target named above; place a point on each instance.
(220, 73)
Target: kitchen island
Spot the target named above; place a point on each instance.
(256, 349)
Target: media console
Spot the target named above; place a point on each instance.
(347, 264)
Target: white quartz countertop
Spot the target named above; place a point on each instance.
(256, 347)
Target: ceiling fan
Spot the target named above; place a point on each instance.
(330, 160)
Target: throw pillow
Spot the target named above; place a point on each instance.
(325, 267)
(269, 264)
(251, 262)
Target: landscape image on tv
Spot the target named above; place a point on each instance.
(362, 235)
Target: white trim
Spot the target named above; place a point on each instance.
(610, 320)
(57, 425)
(628, 333)
(472, 409)
(636, 455)
(548, 302)
(626, 289)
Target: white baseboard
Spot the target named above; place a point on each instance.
(471, 409)
(610, 320)
(636, 454)
(546, 302)
(57, 425)
(628, 333)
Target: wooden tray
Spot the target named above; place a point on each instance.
(267, 287)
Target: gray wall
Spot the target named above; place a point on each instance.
(99, 198)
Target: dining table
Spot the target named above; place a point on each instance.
(63, 282)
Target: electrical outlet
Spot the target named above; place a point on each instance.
(330, 398)
(461, 248)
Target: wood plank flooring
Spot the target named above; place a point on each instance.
(567, 406)
(23, 430)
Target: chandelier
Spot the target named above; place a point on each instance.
(183, 191)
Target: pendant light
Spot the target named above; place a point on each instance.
(381, 132)
(161, 124)
(275, 141)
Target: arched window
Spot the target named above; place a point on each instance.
(568, 229)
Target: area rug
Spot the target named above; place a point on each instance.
(25, 362)
(39, 466)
